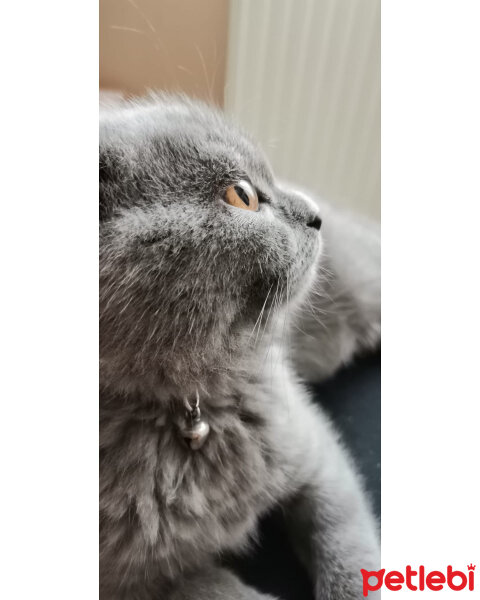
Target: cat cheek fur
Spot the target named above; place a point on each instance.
(188, 272)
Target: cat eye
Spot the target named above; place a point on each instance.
(242, 195)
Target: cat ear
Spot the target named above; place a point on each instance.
(109, 171)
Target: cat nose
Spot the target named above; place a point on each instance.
(315, 222)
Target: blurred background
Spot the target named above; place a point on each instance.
(303, 76)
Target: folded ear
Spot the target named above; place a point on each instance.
(112, 172)
(107, 174)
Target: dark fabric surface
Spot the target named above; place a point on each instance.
(352, 399)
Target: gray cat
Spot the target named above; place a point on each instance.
(214, 280)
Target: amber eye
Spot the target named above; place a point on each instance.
(242, 195)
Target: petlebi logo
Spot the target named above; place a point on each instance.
(418, 579)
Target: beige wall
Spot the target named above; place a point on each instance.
(176, 45)
(303, 76)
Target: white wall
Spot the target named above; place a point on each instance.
(304, 77)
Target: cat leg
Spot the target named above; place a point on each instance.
(331, 523)
(341, 316)
(214, 583)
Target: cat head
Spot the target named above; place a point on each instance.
(197, 240)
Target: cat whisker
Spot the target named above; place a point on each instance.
(205, 72)
(261, 313)
(143, 16)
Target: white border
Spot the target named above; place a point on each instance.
(430, 292)
(49, 306)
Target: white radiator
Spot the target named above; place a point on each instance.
(304, 77)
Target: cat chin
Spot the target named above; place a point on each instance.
(305, 282)
(305, 286)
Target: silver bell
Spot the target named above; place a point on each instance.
(196, 435)
(196, 429)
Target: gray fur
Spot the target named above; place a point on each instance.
(196, 294)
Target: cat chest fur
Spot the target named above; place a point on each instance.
(162, 500)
